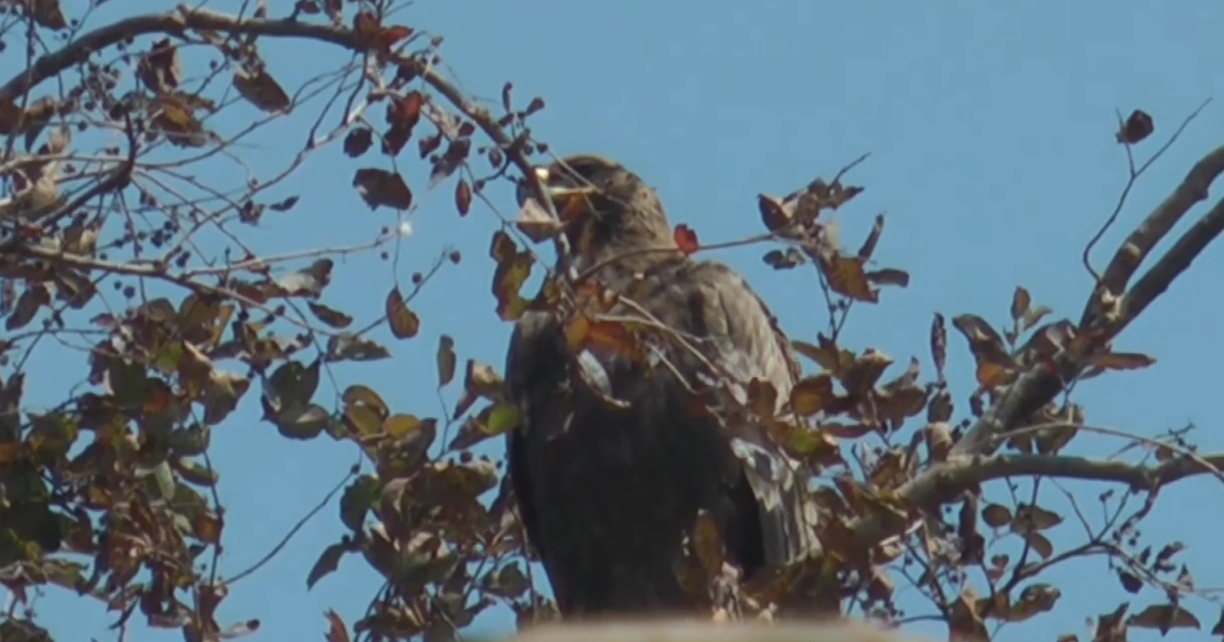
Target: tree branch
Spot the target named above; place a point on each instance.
(176, 22)
(1154, 228)
(1041, 384)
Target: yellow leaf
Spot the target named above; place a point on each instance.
(401, 425)
(811, 395)
(503, 418)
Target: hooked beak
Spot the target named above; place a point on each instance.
(534, 219)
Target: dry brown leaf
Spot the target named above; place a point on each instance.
(1021, 302)
(996, 515)
(1122, 361)
(380, 187)
(463, 197)
(446, 360)
(404, 323)
(847, 277)
(1164, 618)
(811, 394)
(259, 88)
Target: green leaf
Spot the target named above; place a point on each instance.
(399, 426)
(363, 395)
(357, 500)
(503, 417)
(127, 382)
(196, 473)
(293, 385)
(362, 420)
(327, 563)
(404, 323)
(303, 423)
(190, 442)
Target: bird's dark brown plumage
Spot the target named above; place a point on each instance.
(606, 493)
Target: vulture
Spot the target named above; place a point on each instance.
(611, 469)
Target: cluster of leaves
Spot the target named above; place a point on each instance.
(110, 492)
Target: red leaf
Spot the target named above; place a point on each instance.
(463, 197)
(391, 35)
(686, 239)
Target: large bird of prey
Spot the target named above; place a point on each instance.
(608, 491)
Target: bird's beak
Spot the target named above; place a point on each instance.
(534, 219)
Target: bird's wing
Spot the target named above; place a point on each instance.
(534, 367)
(733, 331)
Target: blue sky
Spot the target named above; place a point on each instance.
(990, 126)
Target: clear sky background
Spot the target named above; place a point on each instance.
(990, 126)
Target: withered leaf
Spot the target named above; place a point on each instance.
(479, 381)
(337, 630)
(1040, 544)
(261, 89)
(330, 316)
(404, 323)
(1122, 361)
(811, 394)
(308, 282)
(463, 197)
(350, 347)
(866, 370)
(1035, 518)
(285, 205)
(380, 187)
(994, 365)
(446, 360)
(774, 213)
(1021, 302)
(939, 344)
(509, 581)
(404, 113)
(1138, 126)
(327, 563)
(46, 13)
(513, 270)
(302, 422)
(34, 297)
(873, 238)
(1130, 583)
(847, 277)
(1164, 618)
(889, 276)
(827, 355)
(358, 142)
(844, 431)
(783, 260)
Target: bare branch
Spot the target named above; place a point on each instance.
(1148, 233)
(1039, 385)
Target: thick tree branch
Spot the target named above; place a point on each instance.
(1154, 228)
(1174, 262)
(948, 480)
(1040, 385)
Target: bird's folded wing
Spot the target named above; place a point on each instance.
(735, 332)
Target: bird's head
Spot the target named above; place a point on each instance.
(603, 207)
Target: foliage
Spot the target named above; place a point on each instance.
(111, 492)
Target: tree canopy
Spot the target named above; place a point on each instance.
(124, 224)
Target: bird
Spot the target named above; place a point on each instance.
(612, 462)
